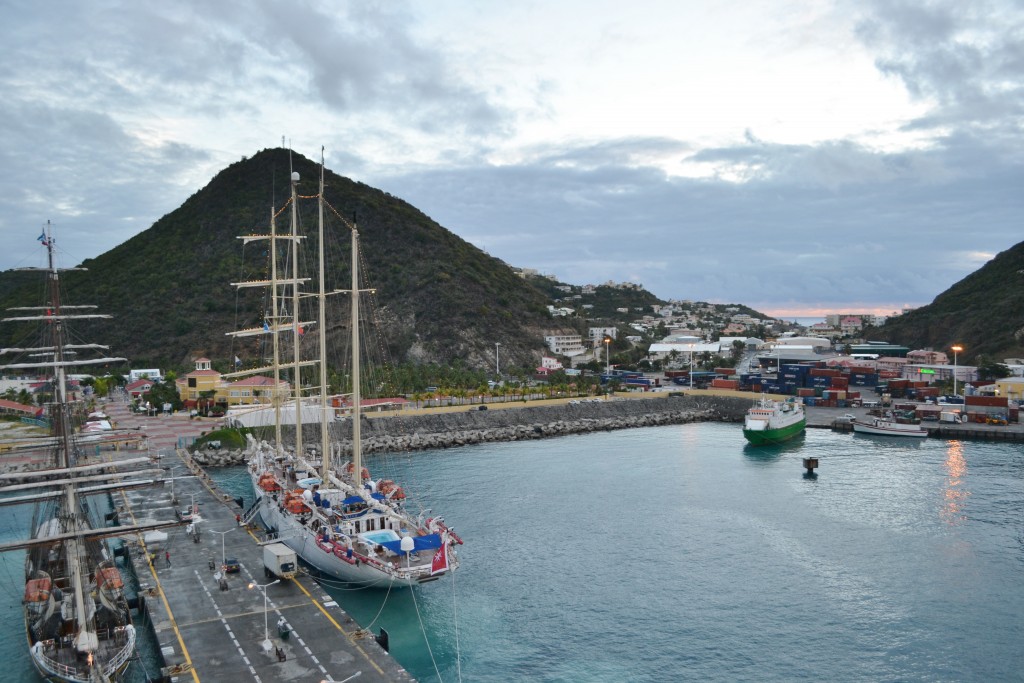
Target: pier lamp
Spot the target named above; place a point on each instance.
(266, 627)
(956, 348)
(170, 471)
(497, 366)
(223, 557)
(607, 357)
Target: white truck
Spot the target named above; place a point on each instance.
(279, 561)
(949, 416)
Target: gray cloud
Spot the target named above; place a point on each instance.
(106, 104)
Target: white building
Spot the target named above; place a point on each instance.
(565, 344)
(597, 334)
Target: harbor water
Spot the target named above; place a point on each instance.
(679, 553)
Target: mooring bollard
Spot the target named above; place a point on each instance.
(810, 464)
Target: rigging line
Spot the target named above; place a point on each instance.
(286, 205)
(423, 630)
(374, 621)
(344, 220)
(455, 618)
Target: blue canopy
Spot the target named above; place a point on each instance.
(377, 496)
(428, 542)
(352, 500)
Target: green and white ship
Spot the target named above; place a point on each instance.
(770, 422)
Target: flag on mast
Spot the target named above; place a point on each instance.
(42, 238)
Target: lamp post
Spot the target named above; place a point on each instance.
(266, 626)
(955, 349)
(170, 470)
(497, 366)
(607, 357)
(223, 557)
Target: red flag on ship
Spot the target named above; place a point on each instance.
(440, 562)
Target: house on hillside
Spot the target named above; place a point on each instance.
(565, 344)
(139, 387)
(922, 357)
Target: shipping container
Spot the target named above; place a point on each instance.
(997, 401)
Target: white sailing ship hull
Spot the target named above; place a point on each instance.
(393, 571)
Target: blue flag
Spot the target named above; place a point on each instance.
(42, 238)
(266, 326)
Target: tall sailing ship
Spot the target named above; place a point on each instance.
(330, 511)
(78, 621)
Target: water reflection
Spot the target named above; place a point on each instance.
(954, 495)
(771, 452)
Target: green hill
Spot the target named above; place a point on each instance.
(443, 299)
(984, 313)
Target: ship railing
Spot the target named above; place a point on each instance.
(115, 662)
(53, 666)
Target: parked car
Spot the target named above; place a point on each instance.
(848, 417)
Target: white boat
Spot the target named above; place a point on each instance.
(888, 426)
(77, 619)
(336, 518)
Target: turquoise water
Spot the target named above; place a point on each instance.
(678, 553)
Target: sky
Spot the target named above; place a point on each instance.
(796, 157)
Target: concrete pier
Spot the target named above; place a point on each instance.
(211, 626)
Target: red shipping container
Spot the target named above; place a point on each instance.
(725, 383)
(997, 401)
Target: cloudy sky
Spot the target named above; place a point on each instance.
(797, 157)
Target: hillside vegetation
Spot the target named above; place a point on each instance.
(984, 313)
(443, 299)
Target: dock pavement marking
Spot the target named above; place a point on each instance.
(163, 596)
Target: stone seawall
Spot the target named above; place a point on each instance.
(450, 429)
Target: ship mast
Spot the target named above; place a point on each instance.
(325, 445)
(86, 640)
(296, 350)
(274, 332)
(357, 409)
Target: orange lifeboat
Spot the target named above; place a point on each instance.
(391, 490)
(268, 483)
(349, 467)
(37, 590)
(293, 502)
(108, 578)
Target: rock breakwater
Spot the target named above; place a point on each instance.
(428, 430)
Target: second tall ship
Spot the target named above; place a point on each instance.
(78, 622)
(330, 511)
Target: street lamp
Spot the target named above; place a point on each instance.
(497, 367)
(607, 357)
(955, 349)
(223, 557)
(266, 628)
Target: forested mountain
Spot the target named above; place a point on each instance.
(984, 313)
(443, 300)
